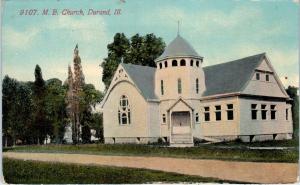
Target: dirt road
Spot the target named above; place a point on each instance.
(254, 172)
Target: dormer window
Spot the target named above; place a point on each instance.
(174, 63)
(182, 62)
(267, 78)
(166, 64)
(192, 62)
(257, 76)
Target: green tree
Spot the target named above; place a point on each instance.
(41, 124)
(293, 93)
(17, 111)
(89, 98)
(9, 94)
(141, 50)
(55, 107)
(97, 124)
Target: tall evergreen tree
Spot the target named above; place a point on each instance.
(41, 125)
(77, 86)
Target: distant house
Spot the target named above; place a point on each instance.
(180, 100)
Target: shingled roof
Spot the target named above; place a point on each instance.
(230, 77)
(143, 77)
(179, 47)
(222, 78)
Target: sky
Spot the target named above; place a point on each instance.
(219, 30)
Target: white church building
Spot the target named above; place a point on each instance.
(181, 101)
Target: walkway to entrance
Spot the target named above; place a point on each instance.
(254, 172)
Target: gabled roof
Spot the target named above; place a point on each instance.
(179, 47)
(231, 76)
(143, 78)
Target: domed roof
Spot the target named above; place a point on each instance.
(179, 47)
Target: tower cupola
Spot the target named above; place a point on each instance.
(179, 72)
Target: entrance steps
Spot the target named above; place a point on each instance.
(181, 140)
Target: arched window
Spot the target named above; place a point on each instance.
(124, 111)
(182, 62)
(160, 65)
(166, 64)
(197, 63)
(197, 85)
(174, 63)
(179, 86)
(192, 62)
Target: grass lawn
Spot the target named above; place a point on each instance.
(240, 153)
(281, 143)
(31, 172)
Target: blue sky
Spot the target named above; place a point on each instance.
(219, 30)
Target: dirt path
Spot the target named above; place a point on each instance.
(228, 170)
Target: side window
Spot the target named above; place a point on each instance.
(286, 114)
(254, 111)
(124, 111)
(273, 111)
(160, 65)
(229, 111)
(218, 113)
(166, 64)
(197, 63)
(263, 112)
(206, 114)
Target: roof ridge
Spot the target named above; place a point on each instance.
(130, 64)
(237, 60)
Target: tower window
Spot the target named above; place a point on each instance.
(124, 111)
(257, 76)
(192, 62)
(206, 114)
(286, 114)
(160, 65)
(197, 85)
(166, 64)
(182, 62)
(162, 87)
(174, 63)
(179, 86)
(197, 63)
(253, 111)
(218, 113)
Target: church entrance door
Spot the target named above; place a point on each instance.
(181, 132)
